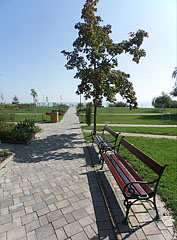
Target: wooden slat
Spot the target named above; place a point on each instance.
(117, 177)
(139, 187)
(155, 166)
(133, 173)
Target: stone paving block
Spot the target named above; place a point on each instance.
(59, 223)
(6, 204)
(67, 209)
(5, 219)
(16, 208)
(32, 236)
(137, 208)
(89, 232)
(29, 218)
(85, 221)
(52, 237)
(151, 228)
(73, 228)
(18, 214)
(62, 204)
(80, 236)
(156, 237)
(52, 207)
(52, 216)
(29, 203)
(80, 213)
(3, 236)
(39, 206)
(4, 211)
(167, 234)
(32, 226)
(43, 220)
(61, 235)
(140, 234)
(16, 233)
(168, 221)
(17, 222)
(69, 217)
(44, 231)
(42, 212)
(143, 217)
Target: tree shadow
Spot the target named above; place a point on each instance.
(53, 147)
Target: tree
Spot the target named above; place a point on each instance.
(88, 114)
(34, 95)
(15, 100)
(95, 58)
(174, 75)
(2, 98)
(163, 101)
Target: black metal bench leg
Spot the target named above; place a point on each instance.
(127, 204)
(102, 162)
(155, 206)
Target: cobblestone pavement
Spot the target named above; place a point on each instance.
(52, 191)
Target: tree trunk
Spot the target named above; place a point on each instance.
(95, 112)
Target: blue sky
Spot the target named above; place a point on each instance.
(34, 32)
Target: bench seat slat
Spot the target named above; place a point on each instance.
(101, 140)
(146, 187)
(130, 177)
(117, 177)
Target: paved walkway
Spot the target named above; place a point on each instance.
(52, 191)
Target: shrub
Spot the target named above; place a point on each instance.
(88, 115)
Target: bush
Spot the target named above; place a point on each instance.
(88, 115)
(118, 104)
(23, 131)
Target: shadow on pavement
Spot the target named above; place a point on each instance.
(107, 229)
(53, 147)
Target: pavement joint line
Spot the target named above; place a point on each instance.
(101, 186)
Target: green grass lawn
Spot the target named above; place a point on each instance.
(163, 151)
(112, 110)
(38, 114)
(137, 119)
(171, 131)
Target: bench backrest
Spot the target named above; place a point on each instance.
(152, 164)
(109, 130)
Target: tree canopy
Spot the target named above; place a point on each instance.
(95, 54)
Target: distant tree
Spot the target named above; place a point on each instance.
(34, 95)
(163, 101)
(15, 100)
(174, 75)
(2, 98)
(118, 104)
(94, 57)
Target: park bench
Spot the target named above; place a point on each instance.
(103, 143)
(132, 185)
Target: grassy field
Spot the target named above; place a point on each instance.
(164, 119)
(171, 131)
(114, 110)
(38, 114)
(163, 151)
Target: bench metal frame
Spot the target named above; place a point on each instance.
(103, 144)
(129, 188)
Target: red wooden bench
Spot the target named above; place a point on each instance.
(130, 182)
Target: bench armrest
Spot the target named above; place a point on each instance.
(131, 188)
